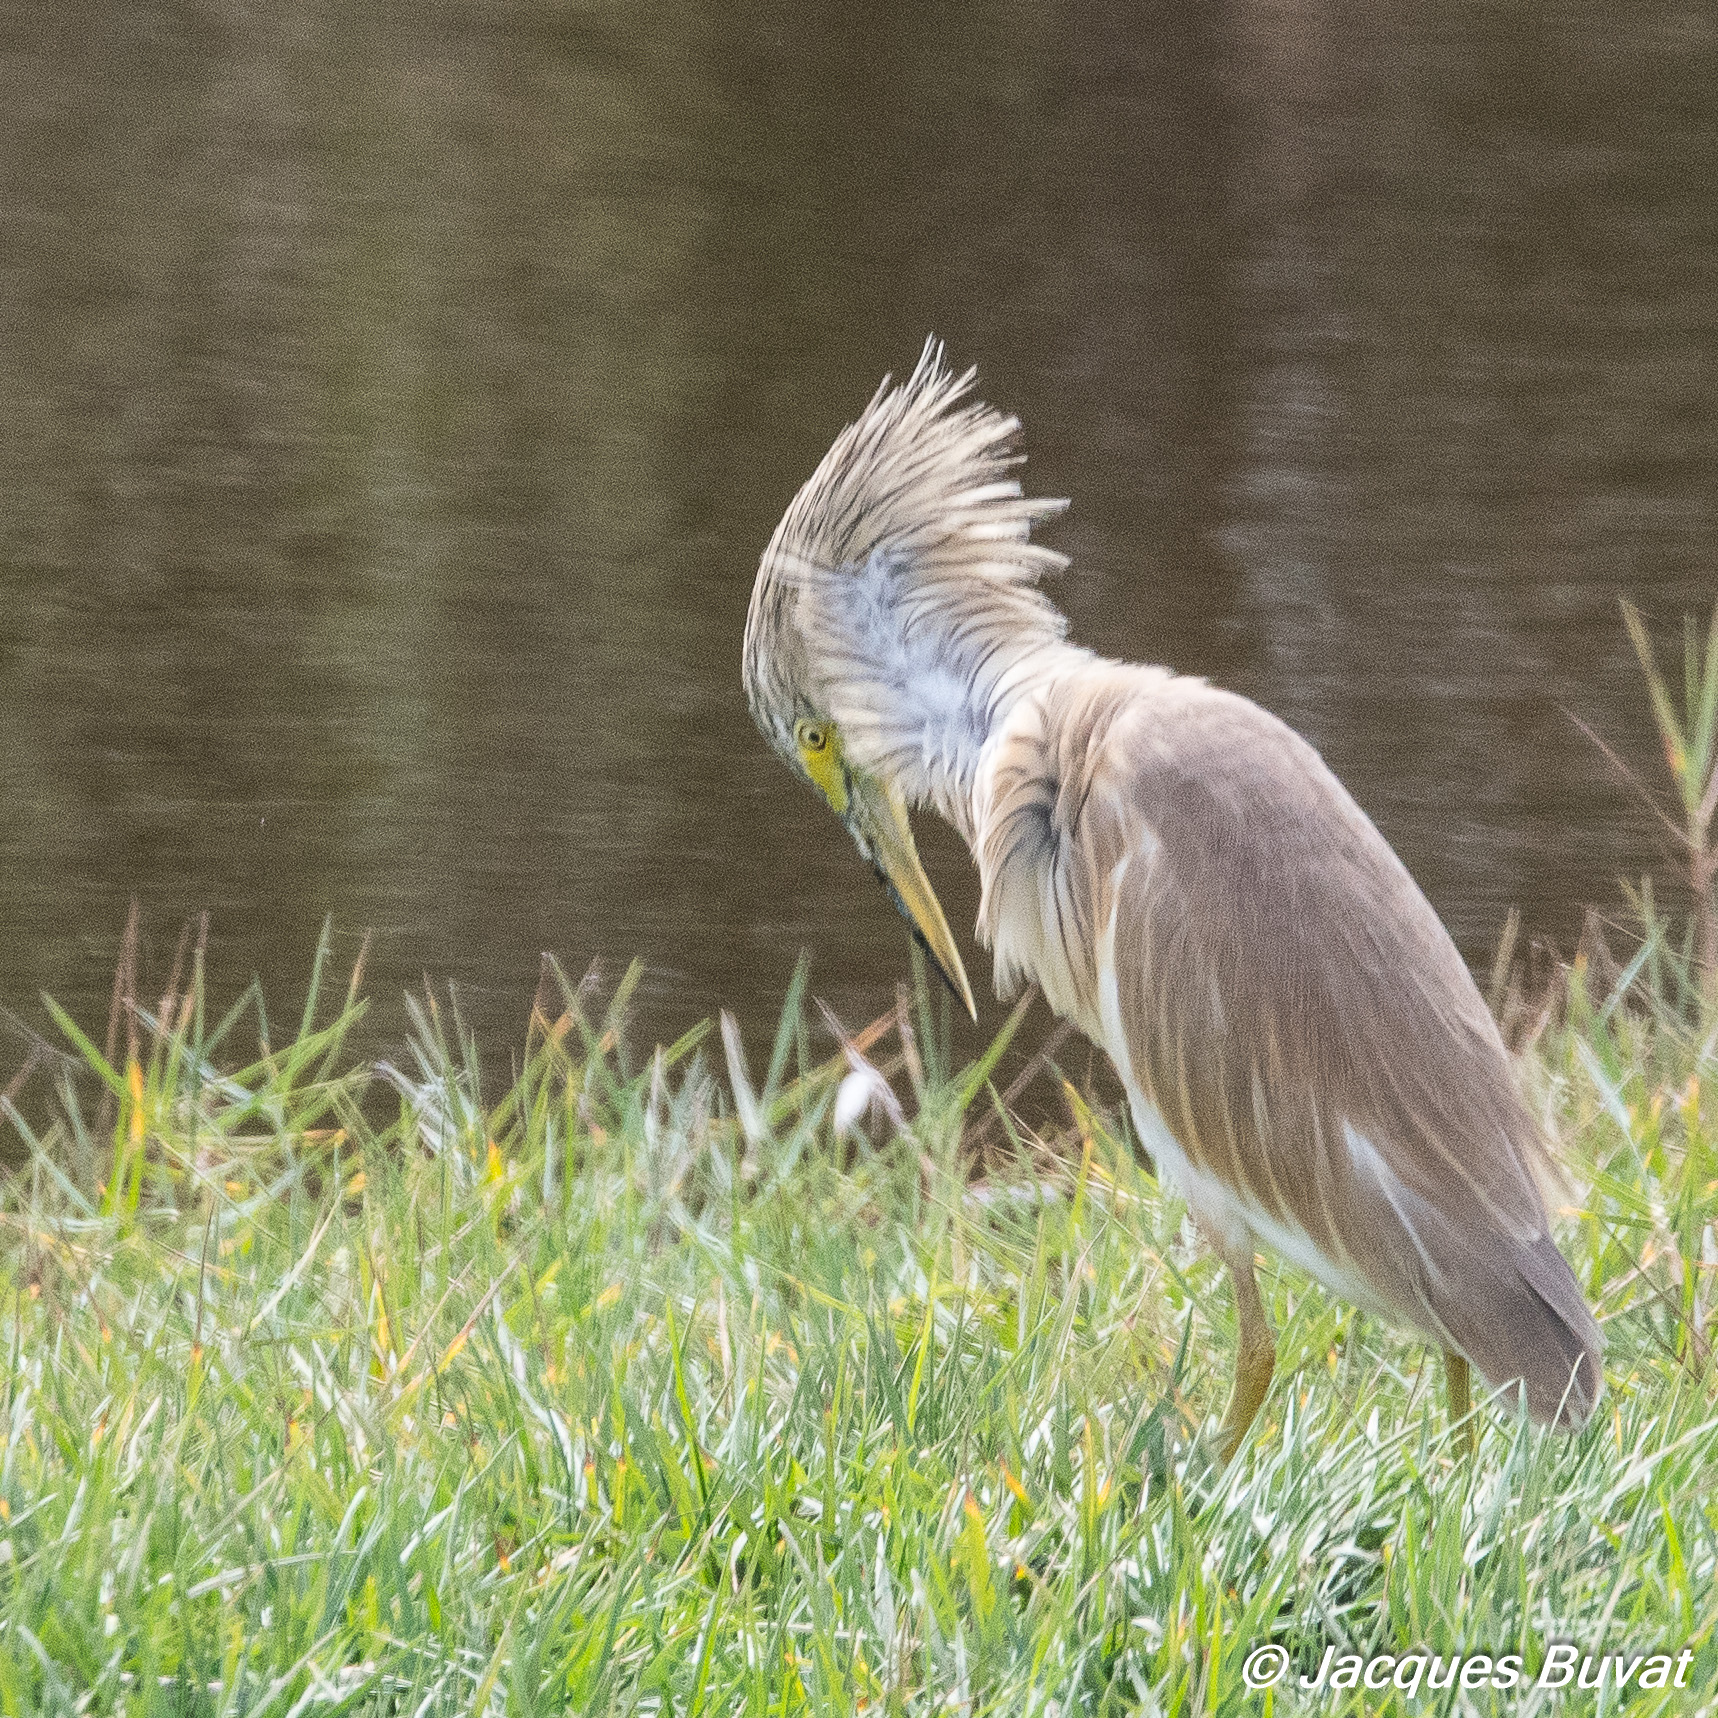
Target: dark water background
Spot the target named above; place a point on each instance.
(394, 402)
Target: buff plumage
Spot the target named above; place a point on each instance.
(1305, 1054)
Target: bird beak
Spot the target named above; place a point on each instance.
(877, 820)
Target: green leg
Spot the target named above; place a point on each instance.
(1255, 1360)
(1459, 1391)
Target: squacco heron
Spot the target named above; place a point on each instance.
(1305, 1054)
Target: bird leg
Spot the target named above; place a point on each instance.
(1458, 1393)
(1255, 1358)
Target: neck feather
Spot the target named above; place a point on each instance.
(939, 743)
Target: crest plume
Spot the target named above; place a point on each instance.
(902, 583)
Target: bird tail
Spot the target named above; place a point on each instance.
(1520, 1318)
(1510, 1304)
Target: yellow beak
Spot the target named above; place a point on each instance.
(876, 816)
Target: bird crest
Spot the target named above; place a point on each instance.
(902, 583)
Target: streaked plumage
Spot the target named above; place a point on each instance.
(1306, 1055)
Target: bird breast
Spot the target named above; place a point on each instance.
(1056, 826)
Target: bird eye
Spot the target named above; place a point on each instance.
(812, 738)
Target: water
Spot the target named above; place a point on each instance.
(393, 404)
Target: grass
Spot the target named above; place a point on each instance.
(636, 1388)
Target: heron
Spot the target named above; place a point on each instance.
(1306, 1057)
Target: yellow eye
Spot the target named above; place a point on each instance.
(820, 757)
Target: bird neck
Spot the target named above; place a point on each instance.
(953, 744)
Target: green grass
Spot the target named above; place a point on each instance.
(630, 1388)
(576, 1397)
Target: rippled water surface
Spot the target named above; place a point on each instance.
(394, 402)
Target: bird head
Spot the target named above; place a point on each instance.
(895, 598)
(874, 812)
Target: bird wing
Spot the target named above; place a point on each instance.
(1294, 1011)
